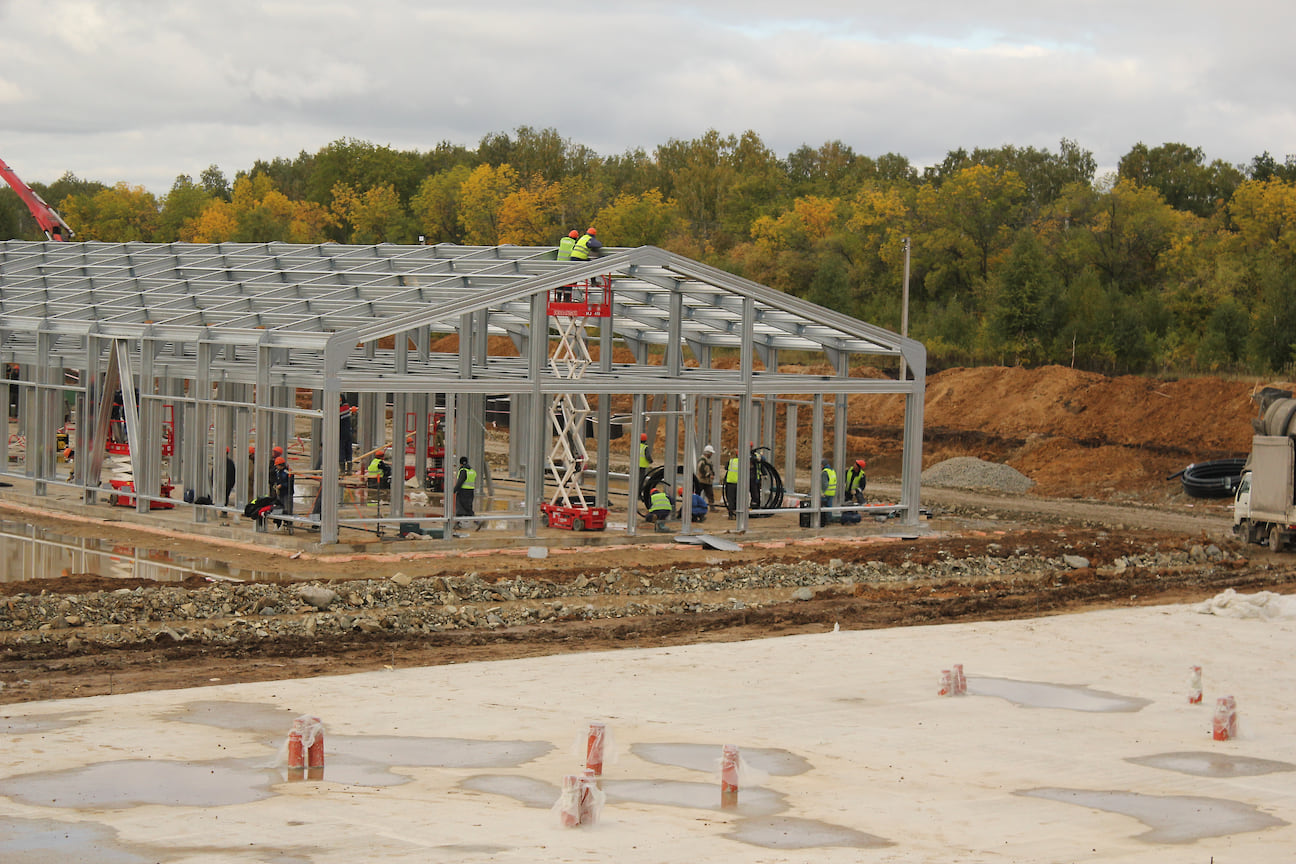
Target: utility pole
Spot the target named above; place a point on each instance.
(904, 307)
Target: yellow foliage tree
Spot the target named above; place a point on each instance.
(215, 224)
(640, 220)
(120, 214)
(531, 216)
(480, 198)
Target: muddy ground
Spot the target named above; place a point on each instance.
(1100, 451)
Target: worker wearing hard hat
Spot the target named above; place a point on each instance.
(645, 455)
(587, 247)
(706, 474)
(567, 244)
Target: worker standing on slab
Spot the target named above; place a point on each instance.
(706, 474)
(345, 438)
(731, 486)
(465, 488)
(281, 487)
(645, 455)
(827, 490)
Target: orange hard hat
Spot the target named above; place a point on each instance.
(67, 454)
(861, 463)
(277, 450)
(574, 234)
(643, 436)
(281, 461)
(679, 491)
(591, 232)
(251, 449)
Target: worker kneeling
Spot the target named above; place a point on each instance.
(698, 506)
(660, 509)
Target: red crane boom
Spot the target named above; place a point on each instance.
(46, 216)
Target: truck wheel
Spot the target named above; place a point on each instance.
(1276, 539)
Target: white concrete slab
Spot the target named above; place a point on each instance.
(456, 763)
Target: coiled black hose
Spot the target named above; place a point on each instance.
(1218, 478)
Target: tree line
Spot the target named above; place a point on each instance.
(1018, 255)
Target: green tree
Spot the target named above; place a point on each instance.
(121, 214)
(182, 204)
(966, 223)
(435, 206)
(640, 220)
(375, 215)
(1180, 174)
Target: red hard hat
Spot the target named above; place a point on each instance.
(643, 436)
(591, 232)
(67, 454)
(861, 463)
(679, 491)
(251, 449)
(574, 234)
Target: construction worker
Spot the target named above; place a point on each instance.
(68, 455)
(645, 455)
(753, 474)
(378, 474)
(281, 487)
(706, 474)
(827, 490)
(731, 486)
(465, 488)
(853, 493)
(698, 507)
(660, 508)
(587, 246)
(345, 439)
(276, 453)
(567, 244)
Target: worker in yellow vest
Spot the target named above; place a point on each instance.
(465, 488)
(731, 486)
(827, 490)
(660, 509)
(645, 455)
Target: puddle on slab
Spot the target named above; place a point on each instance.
(31, 552)
(752, 801)
(237, 716)
(706, 757)
(1203, 764)
(40, 841)
(138, 782)
(525, 790)
(802, 834)
(42, 723)
(1170, 818)
(1037, 694)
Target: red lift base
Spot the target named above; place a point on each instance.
(574, 518)
(122, 496)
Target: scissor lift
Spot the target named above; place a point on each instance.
(570, 306)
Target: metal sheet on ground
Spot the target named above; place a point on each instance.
(709, 541)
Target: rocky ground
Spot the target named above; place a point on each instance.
(1108, 530)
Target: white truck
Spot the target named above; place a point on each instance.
(1264, 508)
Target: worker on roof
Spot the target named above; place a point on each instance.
(587, 247)
(567, 244)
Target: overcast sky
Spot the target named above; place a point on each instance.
(141, 91)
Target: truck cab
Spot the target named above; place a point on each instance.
(1264, 507)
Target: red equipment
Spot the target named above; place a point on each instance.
(124, 495)
(46, 216)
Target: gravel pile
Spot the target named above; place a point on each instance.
(229, 613)
(967, 472)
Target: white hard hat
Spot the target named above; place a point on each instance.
(708, 449)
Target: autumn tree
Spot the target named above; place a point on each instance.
(435, 207)
(481, 196)
(640, 220)
(120, 214)
(372, 216)
(1181, 175)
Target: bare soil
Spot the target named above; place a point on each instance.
(1099, 449)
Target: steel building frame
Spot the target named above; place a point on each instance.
(228, 335)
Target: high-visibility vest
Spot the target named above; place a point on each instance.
(831, 489)
(565, 246)
(644, 461)
(854, 479)
(660, 501)
(580, 252)
(469, 478)
(375, 467)
(731, 473)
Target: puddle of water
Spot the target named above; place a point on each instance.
(752, 801)
(1170, 818)
(138, 782)
(40, 841)
(43, 723)
(526, 790)
(31, 552)
(1203, 764)
(706, 757)
(1037, 694)
(238, 716)
(790, 833)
